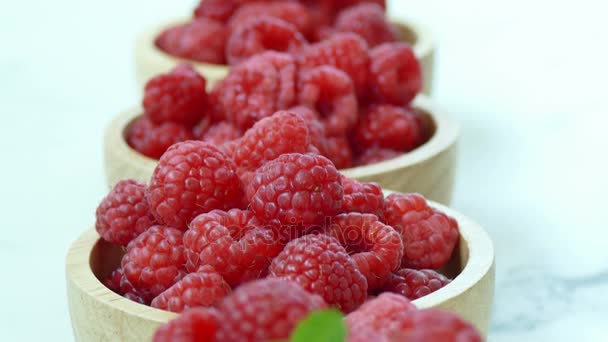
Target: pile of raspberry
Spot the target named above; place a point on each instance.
(229, 31)
(216, 222)
(354, 102)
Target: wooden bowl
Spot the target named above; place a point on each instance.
(98, 314)
(151, 61)
(429, 169)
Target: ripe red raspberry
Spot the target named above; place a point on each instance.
(376, 248)
(330, 92)
(154, 260)
(283, 132)
(433, 325)
(220, 10)
(321, 265)
(387, 126)
(235, 243)
(429, 236)
(202, 40)
(376, 155)
(124, 213)
(260, 34)
(296, 189)
(369, 21)
(118, 283)
(205, 287)
(221, 132)
(345, 51)
(191, 178)
(316, 130)
(266, 310)
(377, 316)
(395, 74)
(291, 12)
(257, 88)
(198, 324)
(178, 96)
(153, 140)
(414, 284)
(363, 197)
(338, 150)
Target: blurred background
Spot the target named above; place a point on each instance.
(526, 80)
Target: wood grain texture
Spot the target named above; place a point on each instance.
(99, 314)
(151, 61)
(429, 170)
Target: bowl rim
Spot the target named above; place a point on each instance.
(480, 262)
(146, 42)
(446, 134)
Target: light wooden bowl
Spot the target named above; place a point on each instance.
(151, 61)
(429, 170)
(99, 314)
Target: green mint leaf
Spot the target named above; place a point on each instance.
(321, 326)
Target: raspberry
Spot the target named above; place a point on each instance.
(375, 247)
(198, 324)
(368, 21)
(345, 51)
(395, 74)
(154, 260)
(433, 325)
(362, 197)
(429, 236)
(387, 126)
(220, 10)
(257, 88)
(330, 92)
(191, 178)
(124, 213)
(296, 189)
(338, 150)
(414, 284)
(316, 130)
(202, 40)
(291, 12)
(283, 132)
(260, 34)
(376, 155)
(221, 133)
(205, 287)
(234, 242)
(378, 315)
(178, 96)
(153, 140)
(266, 310)
(321, 265)
(118, 283)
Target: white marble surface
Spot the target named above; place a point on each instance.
(527, 80)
